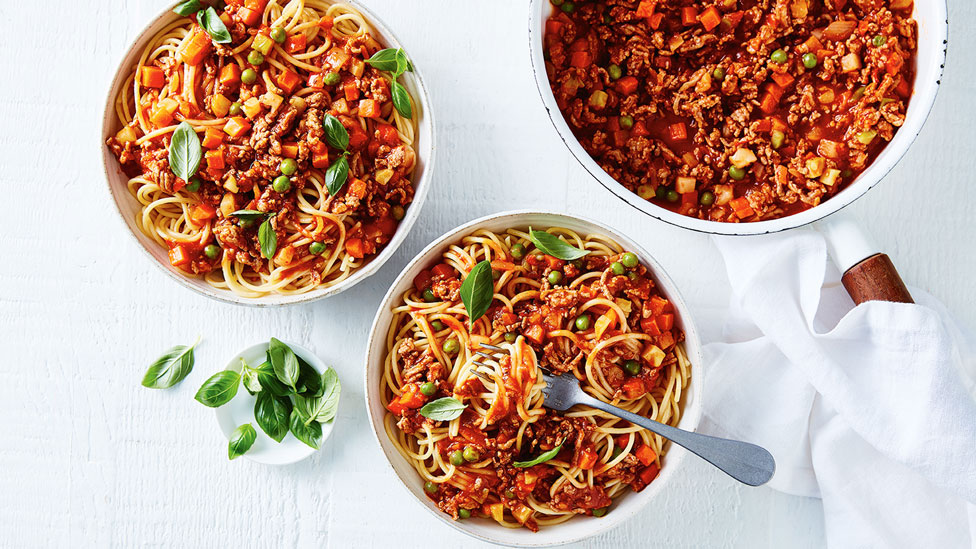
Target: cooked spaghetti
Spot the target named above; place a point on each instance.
(258, 100)
(599, 317)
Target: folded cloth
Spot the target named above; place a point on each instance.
(870, 408)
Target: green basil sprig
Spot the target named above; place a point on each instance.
(272, 414)
(284, 362)
(443, 409)
(338, 137)
(395, 61)
(267, 237)
(541, 459)
(335, 133)
(188, 8)
(171, 368)
(208, 18)
(249, 215)
(321, 408)
(241, 441)
(185, 152)
(555, 246)
(309, 433)
(478, 291)
(220, 389)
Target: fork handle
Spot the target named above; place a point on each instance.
(745, 462)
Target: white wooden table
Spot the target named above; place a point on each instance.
(90, 458)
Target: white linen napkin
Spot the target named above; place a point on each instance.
(870, 408)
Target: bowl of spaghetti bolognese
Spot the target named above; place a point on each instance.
(268, 152)
(468, 434)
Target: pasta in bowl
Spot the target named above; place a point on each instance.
(474, 442)
(271, 151)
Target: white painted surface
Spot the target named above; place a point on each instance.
(90, 458)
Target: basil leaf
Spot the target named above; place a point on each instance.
(309, 380)
(402, 64)
(401, 100)
(185, 152)
(171, 368)
(219, 389)
(384, 60)
(211, 23)
(321, 409)
(188, 8)
(335, 132)
(284, 362)
(241, 440)
(271, 384)
(443, 409)
(336, 176)
(249, 377)
(268, 239)
(541, 459)
(249, 215)
(309, 433)
(272, 414)
(478, 290)
(555, 246)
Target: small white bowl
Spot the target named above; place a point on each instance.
(933, 34)
(240, 410)
(127, 206)
(577, 528)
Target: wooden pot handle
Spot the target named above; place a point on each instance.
(875, 279)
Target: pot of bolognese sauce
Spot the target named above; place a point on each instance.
(744, 117)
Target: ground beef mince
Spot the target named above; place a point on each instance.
(733, 110)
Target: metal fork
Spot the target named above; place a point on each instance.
(745, 462)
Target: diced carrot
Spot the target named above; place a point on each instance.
(369, 108)
(249, 17)
(443, 270)
(215, 160)
(689, 15)
(326, 23)
(295, 43)
(733, 18)
(782, 78)
(768, 104)
(188, 110)
(710, 18)
(288, 81)
(620, 138)
(289, 150)
(741, 207)
(336, 58)
(649, 326)
(152, 77)
(351, 90)
(236, 126)
(665, 322)
(781, 174)
(395, 407)
(894, 63)
(634, 388)
(230, 74)
(213, 138)
(678, 131)
(178, 255)
(552, 27)
(193, 50)
(316, 80)
(645, 454)
(627, 85)
(202, 212)
(355, 248)
(580, 59)
(535, 333)
(646, 8)
(639, 129)
(649, 474)
(422, 281)
(387, 134)
(903, 89)
(654, 21)
(162, 115)
(320, 155)
(357, 137)
(502, 265)
(255, 4)
(588, 458)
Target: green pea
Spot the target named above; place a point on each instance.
(632, 275)
(511, 337)
(583, 323)
(615, 72)
(464, 513)
(451, 346)
(316, 248)
(629, 260)
(249, 76)
(281, 184)
(847, 173)
(626, 122)
(495, 275)
(194, 184)
(673, 196)
(555, 277)
(737, 173)
(518, 251)
(398, 212)
(633, 367)
(429, 296)
(878, 41)
(428, 389)
(246, 223)
(457, 458)
(430, 487)
(212, 251)
(288, 166)
(470, 454)
(510, 494)
(235, 108)
(778, 56)
(810, 60)
(578, 263)
(279, 35)
(777, 138)
(718, 74)
(707, 198)
(568, 7)
(617, 268)
(661, 192)
(255, 57)
(437, 325)
(600, 512)
(331, 78)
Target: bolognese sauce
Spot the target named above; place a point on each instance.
(732, 110)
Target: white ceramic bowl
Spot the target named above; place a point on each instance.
(580, 527)
(933, 29)
(240, 410)
(129, 208)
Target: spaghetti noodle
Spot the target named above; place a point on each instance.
(259, 102)
(599, 317)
